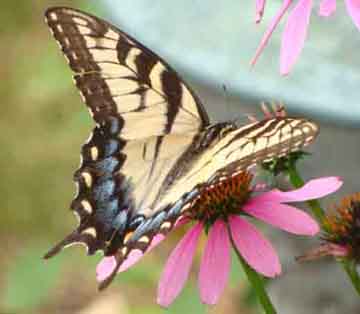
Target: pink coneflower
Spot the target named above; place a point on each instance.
(295, 31)
(222, 211)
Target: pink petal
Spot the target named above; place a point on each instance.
(353, 8)
(313, 189)
(327, 7)
(325, 249)
(338, 250)
(107, 264)
(270, 30)
(215, 264)
(105, 268)
(294, 35)
(259, 5)
(254, 247)
(177, 267)
(284, 217)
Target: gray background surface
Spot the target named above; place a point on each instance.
(214, 41)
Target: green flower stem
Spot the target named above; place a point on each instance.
(349, 267)
(257, 283)
(351, 271)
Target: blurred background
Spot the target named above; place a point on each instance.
(43, 124)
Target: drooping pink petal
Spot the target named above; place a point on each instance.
(353, 9)
(178, 266)
(294, 35)
(284, 217)
(256, 250)
(326, 249)
(313, 189)
(259, 7)
(107, 264)
(327, 7)
(338, 250)
(274, 23)
(215, 264)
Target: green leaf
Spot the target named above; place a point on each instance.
(30, 280)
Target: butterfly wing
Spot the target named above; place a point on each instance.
(118, 76)
(146, 118)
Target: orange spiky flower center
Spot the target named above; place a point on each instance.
(342, 227)
(222, 199)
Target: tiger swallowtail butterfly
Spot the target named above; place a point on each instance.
(153, 149)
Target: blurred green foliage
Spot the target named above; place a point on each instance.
(29, 280)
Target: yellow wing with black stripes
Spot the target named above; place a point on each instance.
(152, 149)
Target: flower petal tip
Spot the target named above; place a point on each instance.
(272, 270)
(327, 8)
(284, 69)
(353, 9)
(104, 268)
(252, 62)
(275, 272)
(284, 72)
(259, 11)
(334, 183)
(209, 303)
(340, 179)
(313, 229)
(258, 18)
(162, 303)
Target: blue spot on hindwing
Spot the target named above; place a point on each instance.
(107, 166)
(119, 222)
(106, 212)
(110, 147)
(104, 190)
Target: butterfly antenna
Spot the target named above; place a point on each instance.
(227, 102)
(226, 94)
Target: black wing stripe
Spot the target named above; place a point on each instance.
(97, 52)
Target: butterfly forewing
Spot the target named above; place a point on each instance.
(118, 76)
(241, 149)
